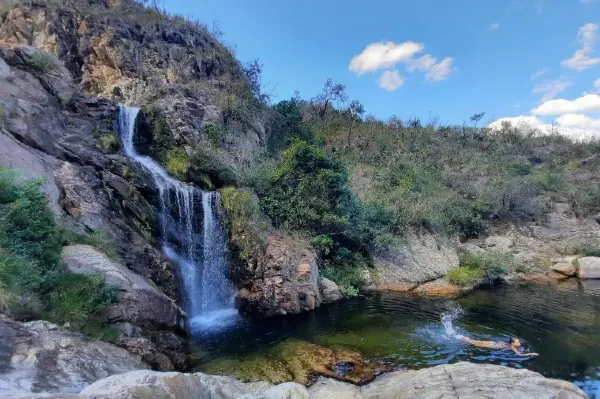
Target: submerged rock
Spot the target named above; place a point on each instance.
(40, 357)
(455, 381)
(300, 362)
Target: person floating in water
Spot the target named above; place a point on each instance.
(513, 344)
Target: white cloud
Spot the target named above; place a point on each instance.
(586, 103)
(581, 60)
(391, 80)
(539, 73)
(576, 126)
(551, 88)
(383, 55)
(494, 26)
(421, 64)
(441, 70)
(521, 120)
(580, 122)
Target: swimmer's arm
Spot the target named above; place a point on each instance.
(524, 354)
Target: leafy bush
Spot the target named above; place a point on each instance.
(178, 163)
(109, 143)
(215, 134)
(30, 247)
(205, 160)
(484, 266)
(77, 300)
(464, 276)
(286, 125)
(45, 63)
(349, 278)
(245, 222)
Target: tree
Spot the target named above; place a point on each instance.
(356, 110)
(253, 74)
(334, 93)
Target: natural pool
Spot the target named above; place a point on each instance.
(561, 322)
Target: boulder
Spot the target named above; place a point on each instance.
(468, 380)
(143, 310)
(329, 290)
(589, 267)
(421, 259)
(38, 356)
(565, 268)
(285, 280)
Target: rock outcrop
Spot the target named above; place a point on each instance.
(461, 380)
(143, 310)
(541, 248)
(130, 54)
(40, 357)
(285, 281)
(588, 267)
(420, 259)
(49, 130)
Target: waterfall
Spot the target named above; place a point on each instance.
(192, 234)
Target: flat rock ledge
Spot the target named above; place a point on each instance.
(454, 381)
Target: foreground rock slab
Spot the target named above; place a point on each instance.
(39, 357)
(456, 381)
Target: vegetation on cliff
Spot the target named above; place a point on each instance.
(32, 282)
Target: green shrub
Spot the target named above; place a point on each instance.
(214, 133)
(349, 278)
(486, 266)
(78, 300)
(45, 63)
(206, 160)
(30, 248)
(465, 276)
(109, 143)
(245, 222)
(178, 163)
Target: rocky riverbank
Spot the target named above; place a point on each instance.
(461, 380)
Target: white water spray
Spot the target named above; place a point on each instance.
(448, 319)
(197, 245)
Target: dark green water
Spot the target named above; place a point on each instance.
(562, 323)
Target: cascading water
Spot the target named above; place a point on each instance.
(197, 246)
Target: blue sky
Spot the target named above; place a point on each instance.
(426, 58)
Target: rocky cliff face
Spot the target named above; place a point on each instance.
(50, 130)
(122, 51)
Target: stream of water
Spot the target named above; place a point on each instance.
(192, 235)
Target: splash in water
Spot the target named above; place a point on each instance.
(448, 319)
(192, 235)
